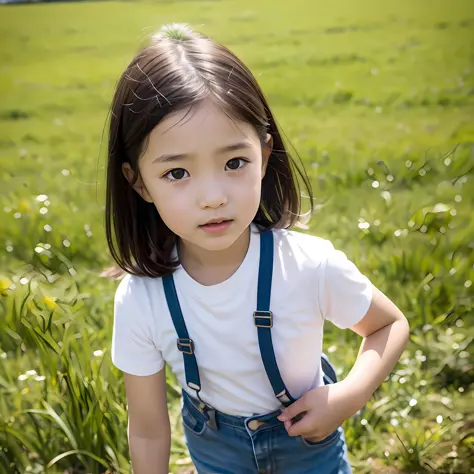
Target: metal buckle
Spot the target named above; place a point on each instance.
(284, 398)
(211, 419)
(186, 343)
(263, 319)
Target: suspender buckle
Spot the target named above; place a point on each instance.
(211, 420)
(263, 319)
(186, 346)
(283, 398)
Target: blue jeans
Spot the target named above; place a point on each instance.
(258, 445)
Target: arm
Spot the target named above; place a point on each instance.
(149, 432)
(385, 331)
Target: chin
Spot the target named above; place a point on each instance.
(213, 242)
(218, 242)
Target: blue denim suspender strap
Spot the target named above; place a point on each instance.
(184, 343)
(263, 319)
(329, 374)
(186, 346)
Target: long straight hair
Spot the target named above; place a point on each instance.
(179, 69)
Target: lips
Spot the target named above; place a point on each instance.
(217, 221)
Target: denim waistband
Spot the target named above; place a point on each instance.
(270, 420)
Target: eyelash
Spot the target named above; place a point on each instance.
(172, 180)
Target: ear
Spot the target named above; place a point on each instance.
(138, 186)
(267, 149)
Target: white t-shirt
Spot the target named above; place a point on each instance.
(312, 282)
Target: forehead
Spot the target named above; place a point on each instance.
(203, 127)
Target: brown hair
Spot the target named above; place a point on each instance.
(178, 69)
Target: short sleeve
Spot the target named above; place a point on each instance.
(345, 293)
(133, 348)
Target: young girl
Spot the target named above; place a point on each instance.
(200, 193)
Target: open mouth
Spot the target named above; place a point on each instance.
(217, 226)
(216, 222)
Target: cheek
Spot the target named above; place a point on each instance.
(255, 178)
(166, 197)
(168, 201)
(172, 209)
(248, 190)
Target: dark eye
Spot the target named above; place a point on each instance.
(176, 174)
(235, 163)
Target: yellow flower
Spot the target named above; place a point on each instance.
(24, 207)
(5, 285)
(49, 302)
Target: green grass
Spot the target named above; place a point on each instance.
(376, 97)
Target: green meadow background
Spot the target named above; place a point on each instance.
(377, 98)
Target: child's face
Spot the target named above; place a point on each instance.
(191, 178)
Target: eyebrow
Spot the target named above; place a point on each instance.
(166, 158)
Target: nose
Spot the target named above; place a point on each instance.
(213, 195)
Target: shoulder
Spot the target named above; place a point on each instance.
(137, 295)
(135, 287)
(312, 253)
(303, 247)
(134, 337)
(129, 287)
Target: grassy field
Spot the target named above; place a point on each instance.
(378, 100)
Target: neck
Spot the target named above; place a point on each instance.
(210, 267)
